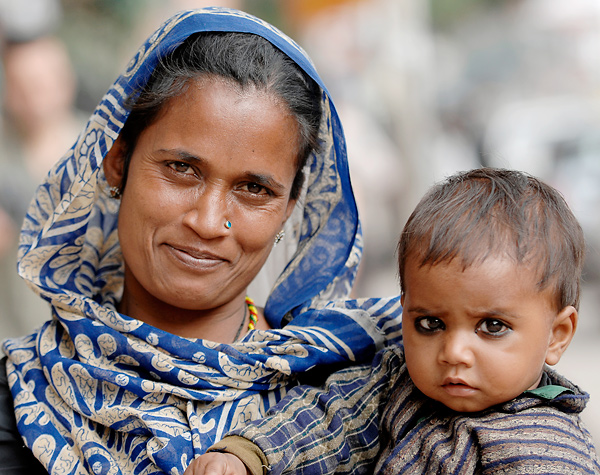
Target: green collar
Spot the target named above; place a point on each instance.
(549, 391)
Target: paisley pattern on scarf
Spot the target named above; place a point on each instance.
(99, 392)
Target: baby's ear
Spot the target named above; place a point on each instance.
(563, 329)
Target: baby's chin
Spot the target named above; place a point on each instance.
(475, 401)
(465, 406)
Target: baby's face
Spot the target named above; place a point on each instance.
(477, 337)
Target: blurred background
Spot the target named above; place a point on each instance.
(424, 88)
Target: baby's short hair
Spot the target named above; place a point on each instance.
(495, 212)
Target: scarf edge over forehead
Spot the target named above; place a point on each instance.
(100, 392)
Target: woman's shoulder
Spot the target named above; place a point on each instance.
(15, 458)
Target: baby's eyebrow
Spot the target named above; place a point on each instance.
(494, 313)
(417, 309)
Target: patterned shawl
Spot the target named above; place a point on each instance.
(99, 392)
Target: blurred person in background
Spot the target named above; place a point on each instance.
(38, 124)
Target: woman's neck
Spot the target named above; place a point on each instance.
(223, 324)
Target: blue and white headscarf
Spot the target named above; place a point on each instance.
(99, 392)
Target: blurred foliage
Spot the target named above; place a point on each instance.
(446, 13)
(268, 10)
(102, 35)
(94, 32)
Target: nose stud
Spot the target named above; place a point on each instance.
(228, 224)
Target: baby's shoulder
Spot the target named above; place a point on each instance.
(533, 437)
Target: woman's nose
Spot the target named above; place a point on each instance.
(457, 349)
(207, 214)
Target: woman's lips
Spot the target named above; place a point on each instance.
(197, 258)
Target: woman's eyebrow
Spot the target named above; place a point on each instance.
(182, 154)
(265, 180)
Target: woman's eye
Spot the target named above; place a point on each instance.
(256, 189)
(493, 327)
(182, 167)
(429, 324)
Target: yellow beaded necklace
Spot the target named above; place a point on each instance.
(253, 313)
(253, 318)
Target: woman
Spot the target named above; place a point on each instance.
(148, 235)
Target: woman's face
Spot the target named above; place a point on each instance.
(215, 154)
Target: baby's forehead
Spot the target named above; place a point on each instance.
(495, 268)
(483, 256)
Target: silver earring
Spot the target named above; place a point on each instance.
(228, 224)
(279, 236)
(115, 192)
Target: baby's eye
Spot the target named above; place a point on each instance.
(493, 327)
(429, 324)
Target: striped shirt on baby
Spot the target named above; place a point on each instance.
(373, 420)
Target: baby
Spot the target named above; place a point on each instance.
(490, 264)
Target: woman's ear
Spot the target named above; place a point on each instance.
(114, 163)
(563, 329)
(290, 209)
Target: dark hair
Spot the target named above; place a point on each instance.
(247, 59)
(489, 211)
